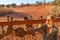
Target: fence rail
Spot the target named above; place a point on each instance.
(26, 22)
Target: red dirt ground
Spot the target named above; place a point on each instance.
(35, 11)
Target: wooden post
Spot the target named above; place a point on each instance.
(39, 25)
(10, 28)
(11, 18)
(30, 18)
(8, 18)
(1, 32)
